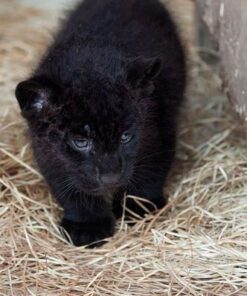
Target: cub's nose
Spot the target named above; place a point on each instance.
(109, 179)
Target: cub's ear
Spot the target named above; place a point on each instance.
(33, 96)
(143, 70)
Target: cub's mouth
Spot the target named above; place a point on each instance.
(102, 189)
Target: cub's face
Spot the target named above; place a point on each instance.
(93, 129)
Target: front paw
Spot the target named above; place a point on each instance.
(91, 234)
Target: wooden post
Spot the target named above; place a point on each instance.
(226, 20)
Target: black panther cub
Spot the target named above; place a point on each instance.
(102, 108)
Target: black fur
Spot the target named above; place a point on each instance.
(102, 108)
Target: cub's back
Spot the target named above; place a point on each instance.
(138, 27)
(100, 35)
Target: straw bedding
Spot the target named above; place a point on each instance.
(196, 245)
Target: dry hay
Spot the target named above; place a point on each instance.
(196, 245)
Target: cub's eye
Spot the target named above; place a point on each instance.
(81, 144)
(126, 137)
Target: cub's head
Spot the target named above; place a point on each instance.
(92, 128)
